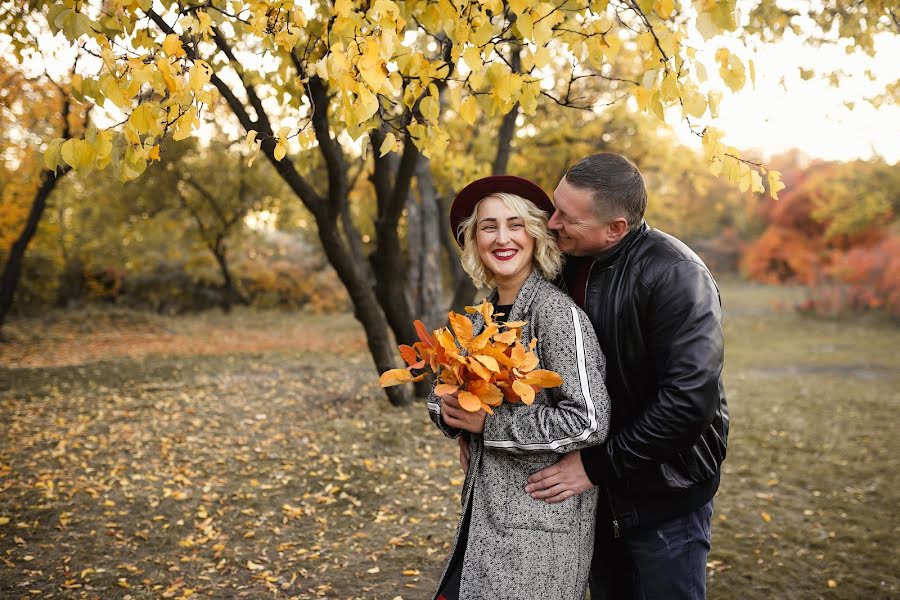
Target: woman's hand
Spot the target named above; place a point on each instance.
(455, 415)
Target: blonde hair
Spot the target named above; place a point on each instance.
(547, 256)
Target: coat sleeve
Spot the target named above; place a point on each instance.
(434, 411)
(577, 412)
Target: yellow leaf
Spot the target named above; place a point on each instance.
(468, 110)
(280, 149)
(472, 57)
(765, 516)
(388, 145)
(153, 154)
(4, 520)
(51, 160)
(756, 184)
(200, 75)
(430, 108)
(525, 23)
(172, 46)
(410, 572)
(366, 106)
(67, 151)
(775, 184)
(664, 8)
(642, 95)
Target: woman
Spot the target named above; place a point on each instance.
(509, 545)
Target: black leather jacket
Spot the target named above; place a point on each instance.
(657, 312)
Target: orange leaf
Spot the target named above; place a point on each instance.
(525, 391)
(410, 355)
(487, 408)
(488, 393)
(423, 334)
(486, 309)
(449, 377)
(498, 354)
(488, 361)
(516, 324)
(518, 353)
(479, 369)
(483, 338)
(462, 327)
(395, 377)
(443, 389)
(529, 362)
(507, 337)
(469, 401)
(543, 378)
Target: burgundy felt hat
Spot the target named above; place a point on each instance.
(472, 194)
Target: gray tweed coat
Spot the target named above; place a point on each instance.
(517, 547)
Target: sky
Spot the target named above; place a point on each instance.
(784, 111)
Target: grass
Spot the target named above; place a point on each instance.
(253, 456)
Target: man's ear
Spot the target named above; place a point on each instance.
(618, 228)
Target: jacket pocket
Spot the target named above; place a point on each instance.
(523, 511)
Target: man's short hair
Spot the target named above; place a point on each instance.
(616, 185)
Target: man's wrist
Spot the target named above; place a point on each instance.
(592, 459)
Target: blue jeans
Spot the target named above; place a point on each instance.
(666, 561)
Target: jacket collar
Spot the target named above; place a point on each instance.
(524, 298)
(611, 255)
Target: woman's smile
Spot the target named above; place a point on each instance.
(505, 253)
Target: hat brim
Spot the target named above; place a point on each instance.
(472, 194)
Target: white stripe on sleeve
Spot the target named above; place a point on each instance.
(586, 395)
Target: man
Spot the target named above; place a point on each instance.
(657, 313)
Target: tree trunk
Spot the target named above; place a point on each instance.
(366, 308)
(390, 266)
(230, 294)
(424, 248)
(12, 271)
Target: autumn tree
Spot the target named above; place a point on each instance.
(381, 78)
(32, 108)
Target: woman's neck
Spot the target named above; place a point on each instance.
(508, 289)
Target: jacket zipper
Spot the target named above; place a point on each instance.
(587, 284)
(612, 511)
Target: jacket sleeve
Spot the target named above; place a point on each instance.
(684, 336)
(434, 411)
(577, 414)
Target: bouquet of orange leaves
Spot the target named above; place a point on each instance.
(485, 369)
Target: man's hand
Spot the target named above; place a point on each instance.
(455, 415)
(463, 454)
(561, 481)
